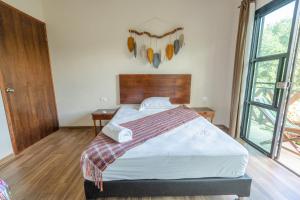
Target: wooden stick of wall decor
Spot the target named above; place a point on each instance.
(155, 36)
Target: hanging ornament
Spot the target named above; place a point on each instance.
(176, 47)
(156, 56)
(150, 55)
(169, 51)
(181, 40)
(156, 60)
(161, 56)
(130, 43)
(134, 50)
(143, 52)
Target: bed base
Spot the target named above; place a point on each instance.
(179, 187)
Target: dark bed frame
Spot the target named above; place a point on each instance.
(134, 88)
(179, 187)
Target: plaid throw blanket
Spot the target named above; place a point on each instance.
(103, 150)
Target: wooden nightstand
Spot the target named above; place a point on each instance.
(102, 114)
(207, 113)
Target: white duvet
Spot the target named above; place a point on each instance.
(196, 149)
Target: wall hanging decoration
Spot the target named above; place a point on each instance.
(176, 47)
(143, 52)
(152, 53)
(130, 43)
(169, 51)
(156, 60)
(134, 50)
(181, 40)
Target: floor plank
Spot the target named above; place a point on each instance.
(50, 170)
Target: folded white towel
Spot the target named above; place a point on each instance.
(117, 132)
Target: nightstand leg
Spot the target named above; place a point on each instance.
(95, 127)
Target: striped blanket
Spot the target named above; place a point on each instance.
(103, 150)
(4, 190)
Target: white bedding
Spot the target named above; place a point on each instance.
(196, 149)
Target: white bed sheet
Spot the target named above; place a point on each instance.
(197, 149)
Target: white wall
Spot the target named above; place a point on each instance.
(88, 50)
(31, 7)
(5, 142)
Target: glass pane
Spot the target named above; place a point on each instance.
(264, 81)
(275, 30)
(261, 124)
(290, 151)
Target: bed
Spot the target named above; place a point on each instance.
(206, 161)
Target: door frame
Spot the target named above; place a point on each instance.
(280, 95)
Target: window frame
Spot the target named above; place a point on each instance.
(281, 74)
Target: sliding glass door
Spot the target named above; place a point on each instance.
(289, 153)
(267, 76)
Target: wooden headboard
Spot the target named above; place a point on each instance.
(134, 88)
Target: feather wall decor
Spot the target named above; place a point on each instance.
(154, 55)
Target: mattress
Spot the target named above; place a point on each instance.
(197, 149)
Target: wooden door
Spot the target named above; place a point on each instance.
(25, 68)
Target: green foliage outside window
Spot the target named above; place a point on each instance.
(274, 40)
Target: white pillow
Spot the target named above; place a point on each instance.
(156, 103)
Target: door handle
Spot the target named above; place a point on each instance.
(10, 90)
(283, 85)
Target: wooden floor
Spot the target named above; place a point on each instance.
(50, 170)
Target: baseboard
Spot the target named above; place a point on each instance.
(75, 127)
(6, 159)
